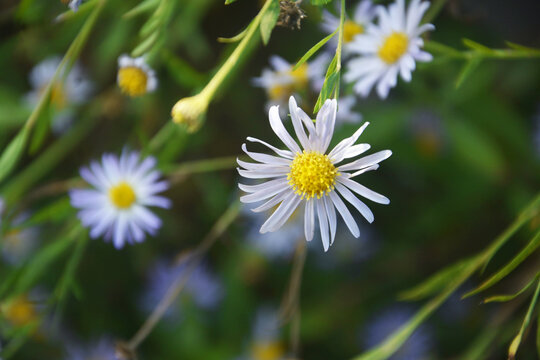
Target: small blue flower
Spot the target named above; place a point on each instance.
(104, 349)
(203, 287)
(417, 347)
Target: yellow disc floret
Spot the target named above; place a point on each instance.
(20, 311)
(350, 30)
(395, 45)
(312, 174)
(122, 195)
(132, 80)
(267, 351)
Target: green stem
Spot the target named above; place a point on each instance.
(237, 55)
(484, 53)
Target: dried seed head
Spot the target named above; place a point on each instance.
(290, 14)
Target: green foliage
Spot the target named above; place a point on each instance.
(12, 153)
(505, 298)
(269, 20)
(508, 268)
(320, 2)
(314, 49)
(514, 346)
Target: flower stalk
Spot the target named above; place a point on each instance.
(191, 111)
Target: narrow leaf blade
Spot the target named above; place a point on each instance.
(269, 20)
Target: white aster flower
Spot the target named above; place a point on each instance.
(362, 17)
(310, 175)
(73, 90)
(135, 77)
(117, 207)
(281, 81)
(346, 114)
(74, 4)
(389, 48)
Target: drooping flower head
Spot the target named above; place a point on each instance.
(310, 175)
(135, 77)
(389, 48)
(123, 189)
(362, 17)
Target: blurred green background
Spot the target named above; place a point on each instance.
(465, 161)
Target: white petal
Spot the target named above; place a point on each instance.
(281, 214)
(282, 153)
(359, 172)
(253, 174)
(262, 186)
(297, 124)
(309, 220)
(332, 219)
(359, 205)
(273, 201)
(281, 132)
(367, 161)
(323, 223)
(338, 152)
(345, 214)
(264, 194)
(364, 191)
(264, 158)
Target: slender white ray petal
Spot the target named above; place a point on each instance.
(309, 220)
(280, 131)
(364, 191)
(262, 186)
(332, 219)
(282, 153)
(323, 223)
(264, 158)
(274, 201)
(345, 214)
(367, 161)
(359, 205)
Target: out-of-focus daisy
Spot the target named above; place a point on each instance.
(19, 311)
(18, 243)
(104, 349)
(417, 347)
(309, 175)
(73, 90)
(274, 245)
(135, 77)
(389, 48)
(123, 189)
(346, 113)
(203, 286)
(266, 343)
(362, 17)
(281, 81)
(73, 4)
(428, 134)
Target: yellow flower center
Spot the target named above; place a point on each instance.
(395, 45)
(20, 311)
(300, 82)
(312, 174)
(350, 30)
(132, 81)
(122, 195)
(267, 351)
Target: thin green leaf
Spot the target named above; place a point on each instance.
(57, 211)
(328, 90)
(320, 2)
(269, 20)
(476, 46)
(507, 269)
(141, 8)
(227, 2)
(514, 346)
(233, 39)
(13, 152)
(522, 48)
(538, 335)
(394, 341)
(505, 298)
(33, 270)
(467, 70)
(314, 49)
(437, 282)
